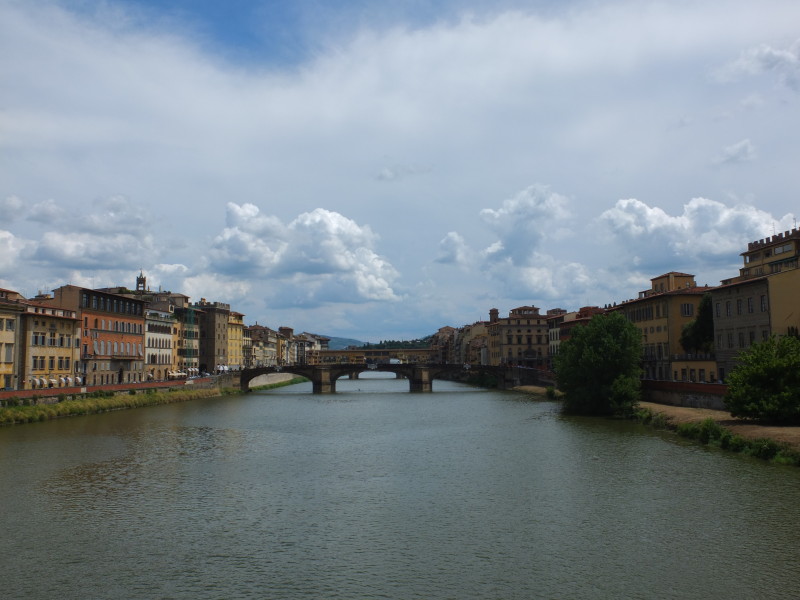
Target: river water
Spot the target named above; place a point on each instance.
(374, 492)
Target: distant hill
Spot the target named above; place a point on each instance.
(338, 343)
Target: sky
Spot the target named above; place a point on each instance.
(375, 170)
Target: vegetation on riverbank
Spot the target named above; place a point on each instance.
(598, 367)
(20, 411)
(710, 433)
(279, 384)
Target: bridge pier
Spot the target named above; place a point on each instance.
(420, 380)
(323, 383)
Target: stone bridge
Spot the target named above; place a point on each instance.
(420, 376)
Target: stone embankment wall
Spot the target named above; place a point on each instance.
(688, 394)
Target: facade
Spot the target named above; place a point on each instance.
(521, 339)
(741, 318)
(471, 344)
(235, 341)
(287, 346)
(560, 324)
(660, 313)
(188, 344)
(213, 320)
(443, 346)
(763, 300)
(159, 345)
(50, 339)
(264, 343)
(112, 338)
(769, 255)
(10, 327)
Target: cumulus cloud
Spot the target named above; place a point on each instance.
(93, 251)
(320, 256)
(12, 249)
(117, 214)
(740, 152)
(453, 250)
(522, 222)
(544, 277)
(46, 212)
(706, 230)
(784, 62)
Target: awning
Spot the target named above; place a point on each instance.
(54, 382)
(62, 381)
(69, 380)
(77, 380)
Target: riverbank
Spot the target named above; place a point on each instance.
(104, 401)
(687, 421)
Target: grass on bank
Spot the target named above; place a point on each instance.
(17, 411)
(710, 433)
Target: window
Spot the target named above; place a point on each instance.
(750, 304)
(730, 340)
(738, 306)
(9, 324)
(752, 337)
(52, 363)
(741, 339)
(717, 310)
(763, 303)
(9, 355)
(687, 310)
(727, 308)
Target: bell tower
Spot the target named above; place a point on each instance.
(141, 282)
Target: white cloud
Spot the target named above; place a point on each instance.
(116, 214)
(11, 251)
(523, 222)
(46, 212)
(453, 250)
(706, 231)
(321, 256)
(94, 251)
(785, 62)
(740, 152)
(408, 129)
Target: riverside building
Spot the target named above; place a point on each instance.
(112, 338)
(660, 313)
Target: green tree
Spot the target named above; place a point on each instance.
(698, 335)
(766, 382)
(598, 367)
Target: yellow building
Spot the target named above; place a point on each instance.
(235, 340)
(50, 338)
(10, 311)
(660, 313)
(521, 339)
(763, 300)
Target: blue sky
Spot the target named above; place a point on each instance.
(378, 170)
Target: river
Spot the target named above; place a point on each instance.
(374, 492)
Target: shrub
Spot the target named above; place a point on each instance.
(766, 382)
